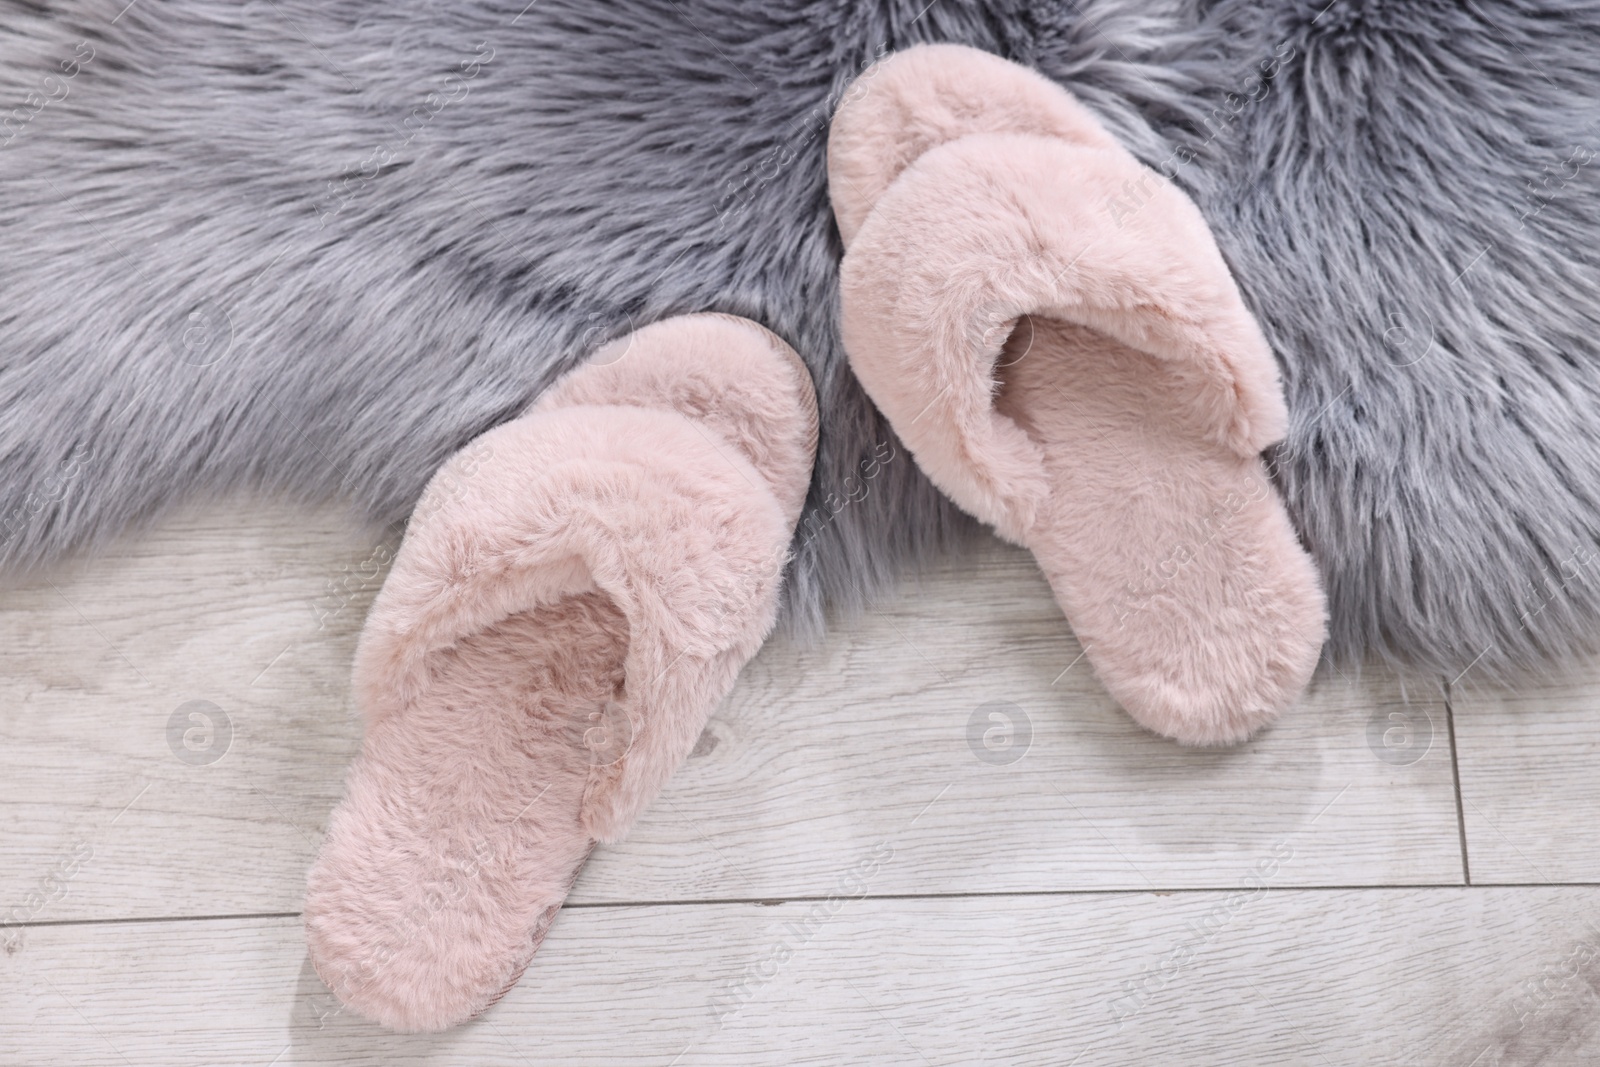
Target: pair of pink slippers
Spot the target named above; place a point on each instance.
(558, 628)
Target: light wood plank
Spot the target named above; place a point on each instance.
(220, 605)
(832, 744)
(1296, 977)
(1530, 776)
(818, 753)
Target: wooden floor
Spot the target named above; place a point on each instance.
(931, 839)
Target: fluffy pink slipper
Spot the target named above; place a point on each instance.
(1051, 330)
(575, 596)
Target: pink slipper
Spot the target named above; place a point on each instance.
(1051, 330)
(572, 603)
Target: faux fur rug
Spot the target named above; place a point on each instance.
(318, 245)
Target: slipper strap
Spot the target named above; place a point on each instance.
(676, 527)
(982, 231)
(915, 100)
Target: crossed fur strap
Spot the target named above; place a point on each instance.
(651, 514)
(985, 229)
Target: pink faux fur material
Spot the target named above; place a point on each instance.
(1052, 331)
(576, 594)
(913, 100)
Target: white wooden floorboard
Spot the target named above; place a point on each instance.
(821, 750)
(220, 606)
(819, 753)
(1530, 776)
(1281, 978)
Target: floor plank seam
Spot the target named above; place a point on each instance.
(772, 902)
(1455, 775)
(133, 919)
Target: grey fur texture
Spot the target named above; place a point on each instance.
(1411, 209)
(316, 247)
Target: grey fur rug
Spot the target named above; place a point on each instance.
(317, 245)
